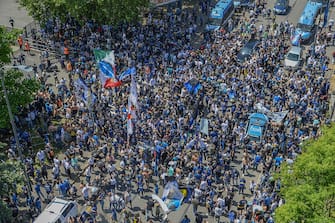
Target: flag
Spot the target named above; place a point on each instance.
(106, 69)
(130, 127)
(82, 90)
(127, 73)
(325, 19)
(192, 86)
(106, 64)
(84, 93)
(204, 126)
(132, 101)
(133, 90)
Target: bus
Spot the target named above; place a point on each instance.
(220, 15)
(306, 25)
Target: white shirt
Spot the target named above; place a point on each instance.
(40, 155)
(85, 191)
(197, 193)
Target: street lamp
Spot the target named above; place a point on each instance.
(11, 119)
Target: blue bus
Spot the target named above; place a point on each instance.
(306, 25)
(220, 15)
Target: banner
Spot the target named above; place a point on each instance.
(274, 116)
(204, 126)
(277, 116)
(157, 3)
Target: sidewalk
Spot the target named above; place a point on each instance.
(11, 8)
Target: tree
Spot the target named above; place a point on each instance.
(20, 90)
(11, 174)
(100, 11)
(308, 185)
(5, 49)
(20, 93)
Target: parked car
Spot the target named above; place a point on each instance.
(244, 3)
(257, 126)
(293, 59)
(247, 50)
(281, 7)
(58, 211)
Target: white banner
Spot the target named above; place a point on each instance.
(274, 116)
(157, 3)
(204, 126)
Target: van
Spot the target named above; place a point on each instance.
(58, 211)
(293, 58)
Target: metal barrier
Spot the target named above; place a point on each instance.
(31, 29)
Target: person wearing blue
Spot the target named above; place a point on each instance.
(38, 205)
(62, 188)
(185, 219)
(156, 188)
(231, 216)
(38, 191)
(114, 215)
(15, 199)
(278, 161)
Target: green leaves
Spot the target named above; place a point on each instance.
(5, 49)
(309, 184)
(11, 173)
(100, 11)
(21, 92)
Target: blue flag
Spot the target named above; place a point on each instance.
(192, 86)
(106, 69)
(127, 73)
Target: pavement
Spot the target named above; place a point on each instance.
(10, 8)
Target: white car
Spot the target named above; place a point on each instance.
(58, 211)
(293, 58)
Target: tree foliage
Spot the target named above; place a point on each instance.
(20, 93)
(11, 174)
(308, 186)
(100, 11)
(5, 49)
(20, 90)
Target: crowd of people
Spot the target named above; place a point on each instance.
(167, 142)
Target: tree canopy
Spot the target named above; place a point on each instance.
(308, 185)
(5, 49)
(20, 90)
(11, 174)
(100, 11)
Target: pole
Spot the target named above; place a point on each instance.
(11, 118)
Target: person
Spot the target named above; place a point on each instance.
(66, 52)
(114, 216)
(218, 211)
(198, 218)
(11, 22)
(185, 219)
(27, 47)
(20, 41)
(38, 191)
(150, 206)
(38, 205)
(158, 212)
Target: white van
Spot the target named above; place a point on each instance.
(58, 211)
(293, 58)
